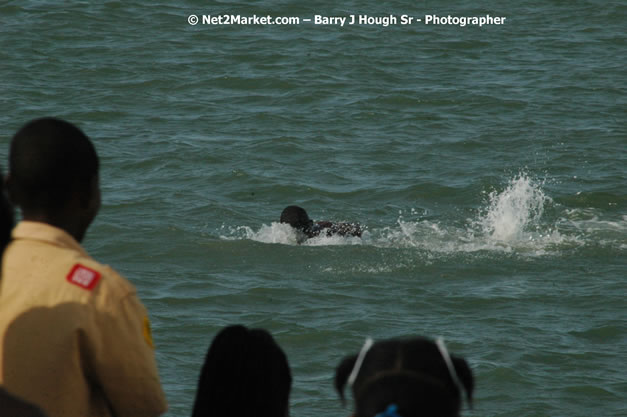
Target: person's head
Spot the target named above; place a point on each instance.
(6, 217)
(245, 374)
(53, 175)
(416, 375)
(296, 217)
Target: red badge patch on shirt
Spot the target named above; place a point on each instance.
(83, 277)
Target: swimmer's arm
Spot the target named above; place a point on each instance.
(349, 229)
(324, 224)
(342, 229)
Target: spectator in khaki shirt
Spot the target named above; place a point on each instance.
(74, 337)
(10, 405)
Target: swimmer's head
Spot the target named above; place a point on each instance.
(297, 218)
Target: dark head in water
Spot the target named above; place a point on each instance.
(297, 218)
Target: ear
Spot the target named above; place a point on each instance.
(9, 186)
(88, 195)
(465, 375)
(342, 373)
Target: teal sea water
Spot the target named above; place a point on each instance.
(487, 164)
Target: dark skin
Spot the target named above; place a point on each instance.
(74, 216)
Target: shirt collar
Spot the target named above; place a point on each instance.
(46, 233)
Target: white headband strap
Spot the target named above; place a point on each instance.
(360, 359)
(439, 342)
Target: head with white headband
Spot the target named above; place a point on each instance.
(405, 378)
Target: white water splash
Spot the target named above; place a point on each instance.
(512, 213)
(285, 234)
(274, 233)
(510, 221)
(324, 240)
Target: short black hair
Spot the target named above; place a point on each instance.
(410, 373)
(296, 217)
(245, 374)
(49, 160)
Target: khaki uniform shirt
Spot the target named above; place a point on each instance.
(74, 338)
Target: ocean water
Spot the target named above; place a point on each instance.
(487, 165)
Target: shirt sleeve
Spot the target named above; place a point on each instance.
(123, 361)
